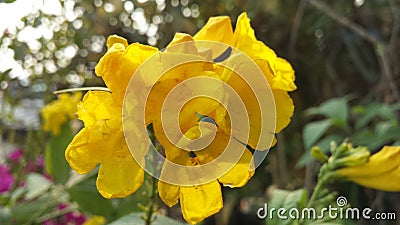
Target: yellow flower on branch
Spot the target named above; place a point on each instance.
(59, 111)
(194, 91)
(381, 172)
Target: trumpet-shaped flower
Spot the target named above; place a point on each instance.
(381, 172)
(102, 139)
(59, 111)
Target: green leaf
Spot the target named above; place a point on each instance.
(135, 219)
(89, 199)
(287, 200)
(374, 110)
(375, 140)
(164, 220)
(314, 131)
(336, 109)
(36, 185)
(5, 216)
(29, 210)
(56, 165)
(131, 219)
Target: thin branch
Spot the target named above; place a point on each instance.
(346, 22)
(381, 48)
(384, 59)
(296, 25)
(282, 165)
(81, 89)
(396, 23)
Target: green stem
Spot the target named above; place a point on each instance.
(151, 207)
(152, 202)
(56, 214)
(320, 184)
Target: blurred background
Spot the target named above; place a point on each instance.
(345, 55)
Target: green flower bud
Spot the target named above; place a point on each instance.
(317, 153)
(352, 157)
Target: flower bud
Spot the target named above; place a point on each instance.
(352, 157)
(317, 153)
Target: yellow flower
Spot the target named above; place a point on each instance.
(201, 201)
(95, 220)
(60, 111)
(102, 140)
(381, 172)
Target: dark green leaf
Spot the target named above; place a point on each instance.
(287, 200)
(29, 210)
(314, 131)
(89, 199)
(56, 165)
(336, 109)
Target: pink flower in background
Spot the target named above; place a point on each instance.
(35, 166)
(6, 179)
(15, 156)
(70, 218)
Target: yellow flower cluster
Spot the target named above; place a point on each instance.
(102, 139)
(60, 111)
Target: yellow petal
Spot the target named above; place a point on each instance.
(246, 41)
(119, 174)
(100, 107)
(182, 43)
(169, 193)
(284, 75)
(119, 64)
(278, 71)
(187, 115)
(284, 109)
(243, 28)
(114, 39)
(216, 36)
(259, 125)
(95, 220)
(83, 153)
(53, 118)
(240, 173)
(201, 201)
(381, 172)
(217, 29)
(388, 181)
(57, 112)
